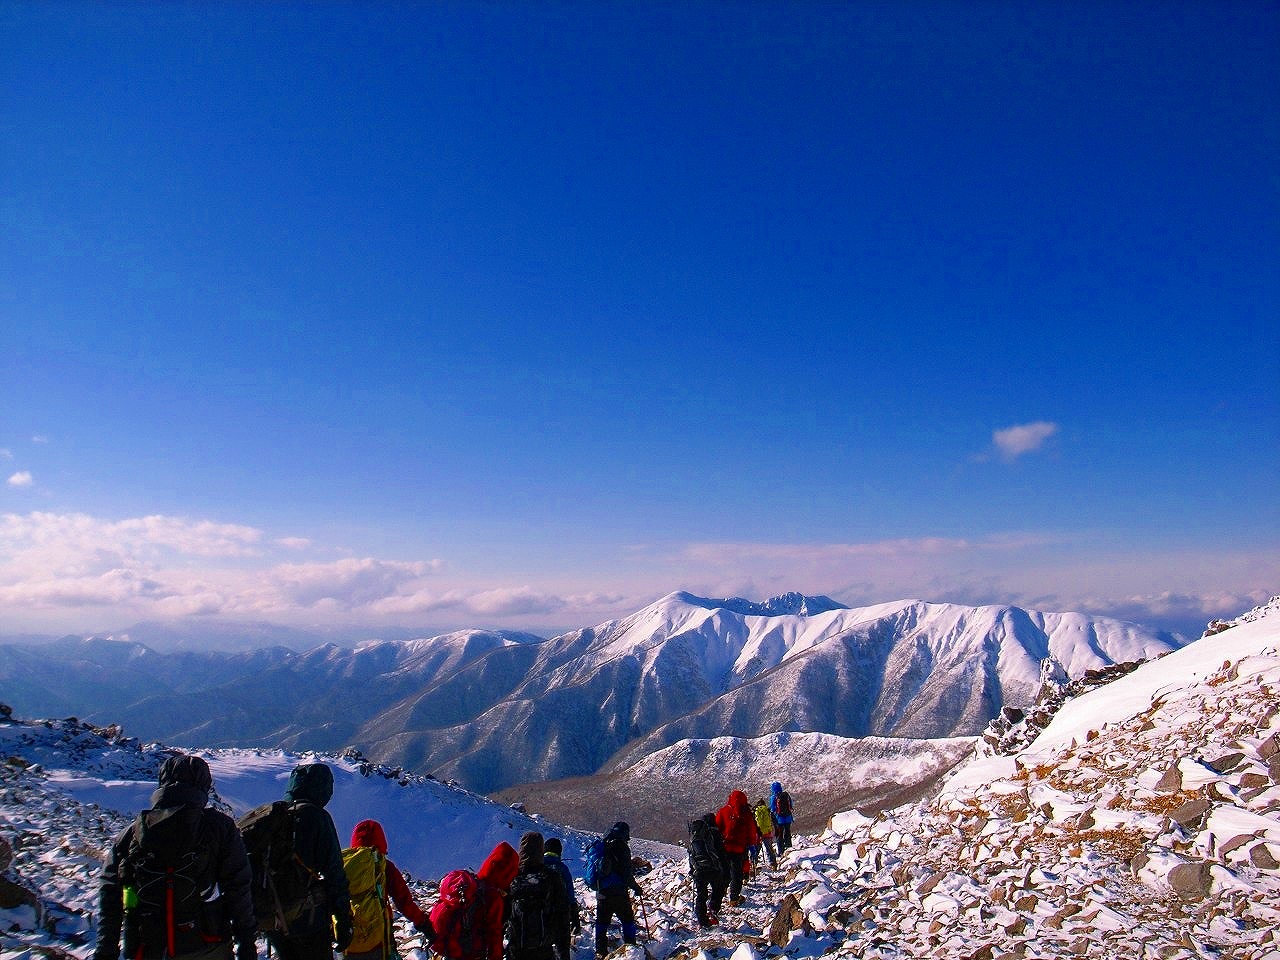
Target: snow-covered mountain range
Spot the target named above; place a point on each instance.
(1138, 819)
(493, 709)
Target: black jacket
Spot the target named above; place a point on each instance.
(316, 843)
(183, 785)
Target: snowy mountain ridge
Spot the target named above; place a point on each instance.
(493, 709)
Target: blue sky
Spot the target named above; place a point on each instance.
(524, 315)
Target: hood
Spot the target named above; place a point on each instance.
(312, 782)
(185, 781)
(499, 868)
(738, 801)
(619, 831)
(776, 787)
(531, 850)
(369, 833)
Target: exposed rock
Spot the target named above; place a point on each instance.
(1225, 763)
(1262, 857)
(788, 918)
(1171, 782)
(1191, 813)
(1190, 881)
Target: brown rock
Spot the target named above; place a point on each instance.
(789, 917)
(1235, 843)
(15, 895)
(1171, 782)
(1251, 781)
(1226, 763)
(1016, 928)
(1262, 857)
(1273, 768)
(1190, 881)
(1191, 813)
(984, 952)
(926, 887)
(1026, 903)
(1269, 747)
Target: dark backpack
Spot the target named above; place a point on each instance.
(531, 917)
(784, 804)
(453, 918)
(169, 876)
(702, 849)
(283, 886)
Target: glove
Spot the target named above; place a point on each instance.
(247, 950)
(343, 932)
(426, 929)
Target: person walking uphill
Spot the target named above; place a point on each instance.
(176, 881)
(537, 905)
(764, 825)
(552, 851)
(738, 825)
(780, 807)
(376, 883)
(709, 867)
(314, 933)
(613, 882)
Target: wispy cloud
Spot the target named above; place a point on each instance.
(40, 439)
(1016, 441)
(6, 454)
(22, 478)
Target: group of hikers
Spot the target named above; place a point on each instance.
(186, 881)
(725, 846)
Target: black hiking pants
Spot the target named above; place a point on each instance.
(784, 837)
(736, 874)
(708, 886)
(614, 903)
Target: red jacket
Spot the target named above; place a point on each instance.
(368, 833)
(737, 823)
(497, 871)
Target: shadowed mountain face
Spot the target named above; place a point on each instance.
(492, 709)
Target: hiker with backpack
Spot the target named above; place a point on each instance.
(468, 917)
(764, 825)
(537, 915)
(552, 856)
(176, 881)
(738, 826)
(780, 807)
(304, 893)
(375, 883)
(709, 867)
(610, 874)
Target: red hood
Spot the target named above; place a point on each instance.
(500, 867)
(368, 833)
(738, 801)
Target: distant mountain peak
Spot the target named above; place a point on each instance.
(790, 604)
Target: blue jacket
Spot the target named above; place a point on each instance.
(773, 804)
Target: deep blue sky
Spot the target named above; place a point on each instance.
(583, 303)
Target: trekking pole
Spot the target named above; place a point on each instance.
(644, 912)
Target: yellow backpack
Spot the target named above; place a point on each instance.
(366, 871)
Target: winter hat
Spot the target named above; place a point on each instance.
(312, 782)
(553, 845)
(187, 771)
(530, 850)
(369, 833)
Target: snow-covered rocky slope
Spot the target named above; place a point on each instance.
(663, 790)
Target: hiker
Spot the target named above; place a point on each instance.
(738, 826)
(375, 884)
(316, 931)
(764, 825)
(177, 879)
(709, 866)
(780, 807)
(553, 851)
(537, 906)
(468, 917)
(613, 888)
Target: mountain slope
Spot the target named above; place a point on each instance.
(492, 709)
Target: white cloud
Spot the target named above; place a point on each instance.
(22, 478)
(506, 602)
(40, 438)
(6, 454)
(294, 543)
(1013, 442)
(346, 584)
